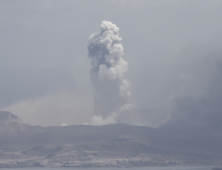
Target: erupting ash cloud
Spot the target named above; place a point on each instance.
(108, 67)
(203, 112)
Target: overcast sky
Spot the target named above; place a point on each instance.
(172, 48)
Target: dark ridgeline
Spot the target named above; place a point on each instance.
(13, 133)
(112, 140)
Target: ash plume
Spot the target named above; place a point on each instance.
(202, 112)
(108, 67)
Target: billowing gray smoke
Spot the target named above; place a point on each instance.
(203, 112)
(112, 90)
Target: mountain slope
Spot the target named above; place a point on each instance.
(56, 143)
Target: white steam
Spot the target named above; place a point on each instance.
(108, 67)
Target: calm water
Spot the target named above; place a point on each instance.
(143, 168)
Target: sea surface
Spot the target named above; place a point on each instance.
(135, 168)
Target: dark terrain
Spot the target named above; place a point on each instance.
(114, 145)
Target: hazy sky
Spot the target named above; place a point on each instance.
(172, 48)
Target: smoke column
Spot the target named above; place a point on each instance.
(112, 90)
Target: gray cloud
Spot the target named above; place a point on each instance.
(201, 111)
(112, 90)
(55, 109)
